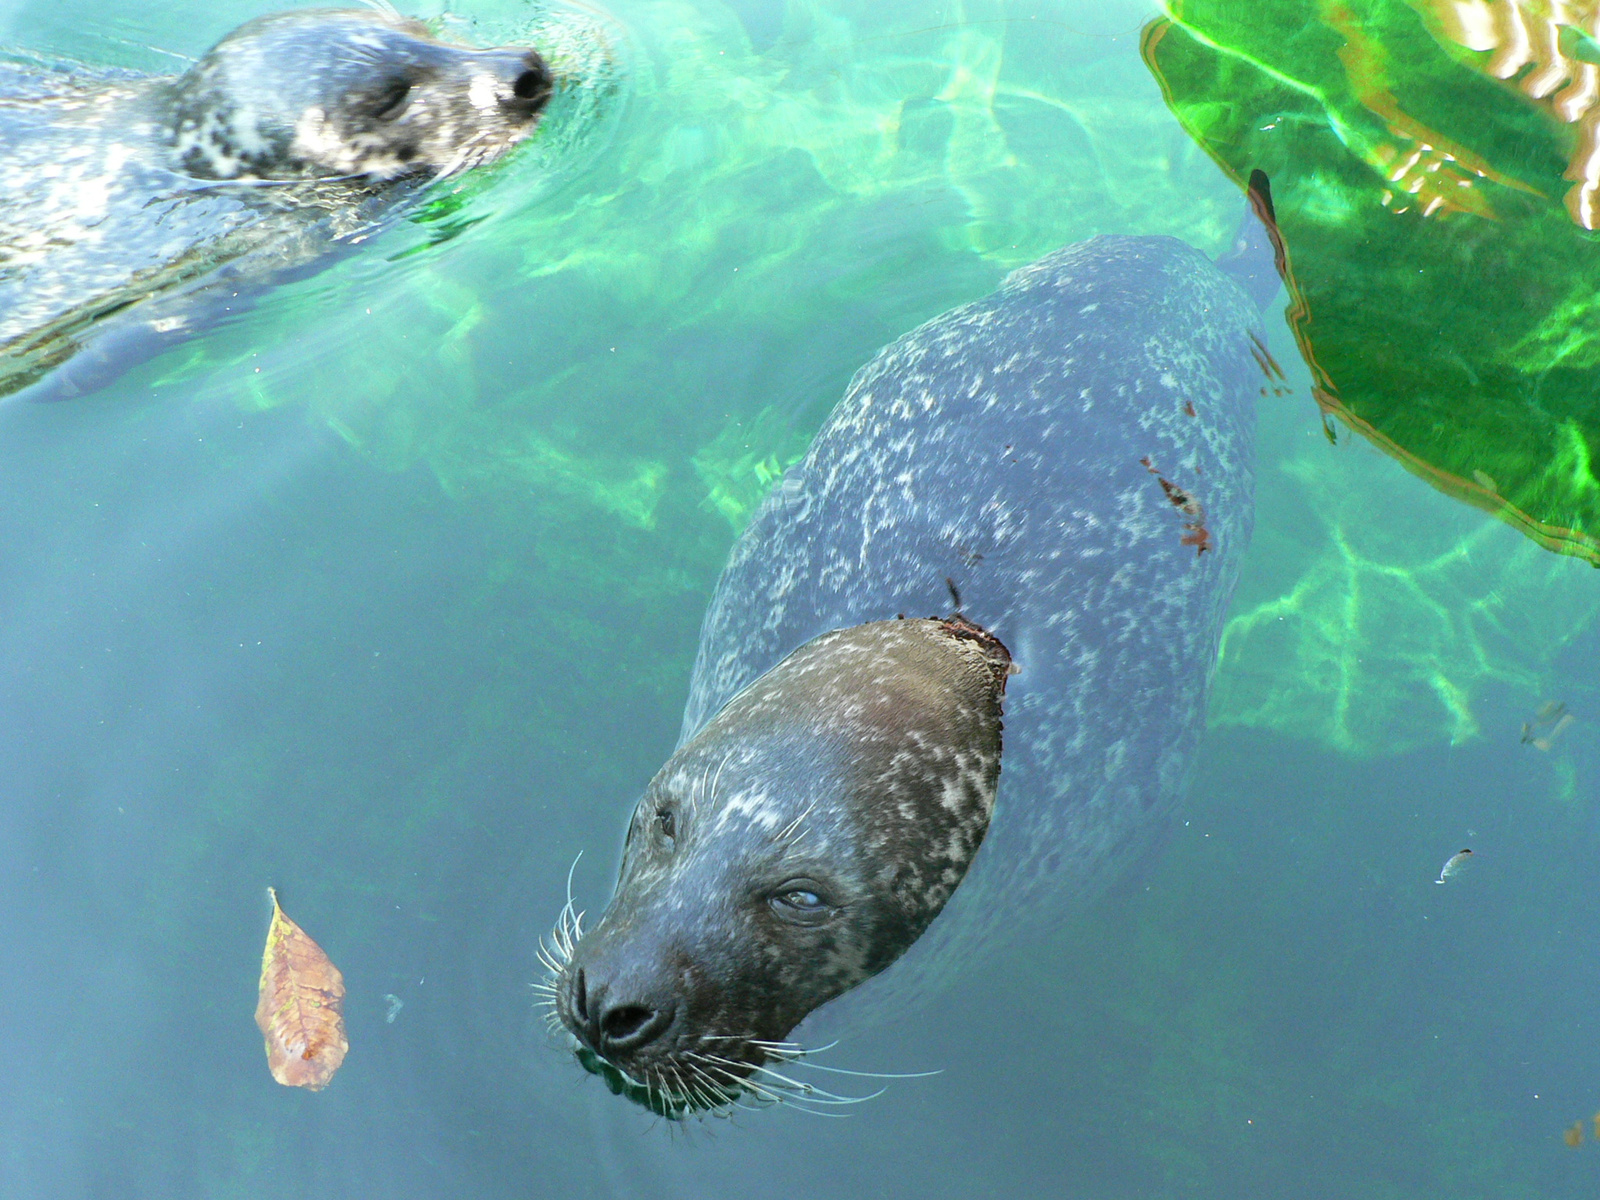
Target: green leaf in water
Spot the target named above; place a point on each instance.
(1433, 177)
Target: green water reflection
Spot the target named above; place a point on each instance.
(516, 458)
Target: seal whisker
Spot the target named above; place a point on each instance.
(786, 1051)
(570, 871)
(820, 1095)
(562, 937)
(698, 791)
(715, 779)
(810, 1091)
(746, 1085)
(688, 1096)
(715, 1087)
(788, 830)
(555, 955)
(774, 1098)
(470, 154)
(714, 1102)
(870, 1074)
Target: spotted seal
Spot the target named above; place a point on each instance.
(295, 133)
(1074, 455)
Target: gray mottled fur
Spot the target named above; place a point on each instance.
(295, 132)
(1074, 454)
(1018, 446)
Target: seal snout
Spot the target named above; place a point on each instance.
(533, 83)
(527, 78)
(614, 1019)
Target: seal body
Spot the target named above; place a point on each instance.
(1073, 457)
(1076, 454)
(294, 133)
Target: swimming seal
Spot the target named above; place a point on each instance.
(866, 822)
(296, 131)
(1074, 453)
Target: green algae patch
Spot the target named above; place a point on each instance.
(1435, 182)
(740, 466)
(1374, 636)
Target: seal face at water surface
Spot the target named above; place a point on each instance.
(792, 848)
(295, 132)
(1075, 453)
(334, 92)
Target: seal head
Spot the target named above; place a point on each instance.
(329, 93)
(796, 846)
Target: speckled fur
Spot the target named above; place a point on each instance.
(336, 92)
(865, 764)
(1075, 453)
(1005, 446)
(283, 140)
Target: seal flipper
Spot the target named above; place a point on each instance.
(1257, 262)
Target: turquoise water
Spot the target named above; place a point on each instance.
(386, 593)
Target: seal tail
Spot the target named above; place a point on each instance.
(1257, 261)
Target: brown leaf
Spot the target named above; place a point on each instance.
(301, 1010)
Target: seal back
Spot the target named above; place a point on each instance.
(1075, 453)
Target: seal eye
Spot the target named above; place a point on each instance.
(797, 902)
(392, 102)
(667, 822)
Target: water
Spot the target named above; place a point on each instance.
(385, 594)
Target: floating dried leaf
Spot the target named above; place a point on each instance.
(301, 1011)
(1574, 1136)
(1548, 724)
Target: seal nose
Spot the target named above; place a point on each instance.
(616, 1026)
(532, 84)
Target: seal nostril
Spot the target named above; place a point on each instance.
(532, 84)
(580, 998)
(630, 1026)
(623, 1022)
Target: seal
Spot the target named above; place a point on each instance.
(1074, 454)
(816, 884)
(296, 132)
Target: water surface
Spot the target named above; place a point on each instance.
(386, 593)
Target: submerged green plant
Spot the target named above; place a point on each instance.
(740, 466)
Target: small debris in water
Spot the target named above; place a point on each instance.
(1455, 865)
(395, 1005)
(1547, 725)
(1574, 1136)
